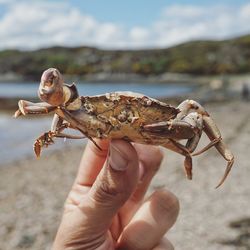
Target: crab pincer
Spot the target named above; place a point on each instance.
(43, 141)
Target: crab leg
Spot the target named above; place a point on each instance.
(58, 126)
(196, 122)
(46, 139)
(210, 145)
(180, 149)
(190, 128)
(172, 129)
(26, 107)
(212, 132)
(75, 123)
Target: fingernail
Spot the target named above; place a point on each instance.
(117, 159)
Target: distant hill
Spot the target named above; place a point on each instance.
(196, 57)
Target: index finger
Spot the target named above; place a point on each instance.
(92, 162)
(150, 158)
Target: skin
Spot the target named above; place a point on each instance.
(106, 208)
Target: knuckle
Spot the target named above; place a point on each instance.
(106, 192)
(109, 190)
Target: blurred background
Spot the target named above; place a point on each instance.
(169, 50)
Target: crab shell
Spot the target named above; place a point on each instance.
(121, 115)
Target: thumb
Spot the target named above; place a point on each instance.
(115, 183)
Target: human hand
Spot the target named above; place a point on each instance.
(106, 209)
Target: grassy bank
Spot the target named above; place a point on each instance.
(195, 58)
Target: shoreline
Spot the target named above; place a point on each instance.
(206, 88)
(102, 77)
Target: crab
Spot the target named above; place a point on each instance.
(124, 115)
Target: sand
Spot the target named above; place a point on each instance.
(32, 192)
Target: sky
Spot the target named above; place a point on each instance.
(114, 24)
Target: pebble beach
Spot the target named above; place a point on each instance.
(32, 192)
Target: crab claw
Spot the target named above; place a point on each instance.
(37, 148)
(43, 140)
(51, 87)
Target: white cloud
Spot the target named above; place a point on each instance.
(38, 24)
(138, 36)
(179, 11)
(180, 23)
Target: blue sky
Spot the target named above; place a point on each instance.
(140, 12)
(31, 24)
